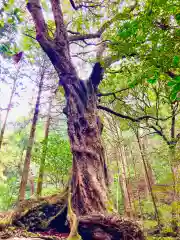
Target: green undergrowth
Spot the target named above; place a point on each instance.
(160, 238)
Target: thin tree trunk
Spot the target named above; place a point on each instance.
(129, 185)
(142, 153)
(7, 113)
(122, 164)
(175, 176)
(31, 182)
(27, 160)
(44, 151)
(173, 164)
(120, 184)
(127, 196)
(144, 143)
(136, 177)
(30, 177)
(148, 181)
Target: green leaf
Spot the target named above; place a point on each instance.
(173, 96)
(176, 88)
(133, 84)
(152, 81)
(45, 5)
(178, 17)
(171, 83)
(10, 20)
(175, 91)
(175, 60)
(16, 11)
(177, 79)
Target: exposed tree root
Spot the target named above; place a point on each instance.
(112, 227)
(46, 218)
(36, 214)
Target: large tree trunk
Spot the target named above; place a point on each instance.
(89, 178)
(88, 195)
(27, 160)
(44, 151)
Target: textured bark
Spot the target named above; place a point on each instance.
(43, 157)
(89, 179)
(27, 160)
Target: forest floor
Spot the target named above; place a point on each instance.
(46, 218)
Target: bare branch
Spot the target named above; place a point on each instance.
(160, 133)
(72, 32)
(84, 36)
(112, 93)
(83, 5)
(27, 35)
(146, 117)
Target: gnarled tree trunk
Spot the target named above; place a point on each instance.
(89, 178)
(89, 191)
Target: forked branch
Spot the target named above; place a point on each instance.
(58, 53)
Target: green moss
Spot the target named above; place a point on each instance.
(6, 220)
(149, 224)
(160, 238)
(167, 229)
(74, 235)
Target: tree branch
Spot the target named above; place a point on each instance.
(112, 93)
(61, 33)
(35, 9)
(107, 24)
(58, 53)
(146, 117)
(27, 35)
(160, 133)
(82, 5)
(81, 37)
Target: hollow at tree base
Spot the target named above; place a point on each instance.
(47, 218)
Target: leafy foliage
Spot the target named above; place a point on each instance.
(58, 160)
